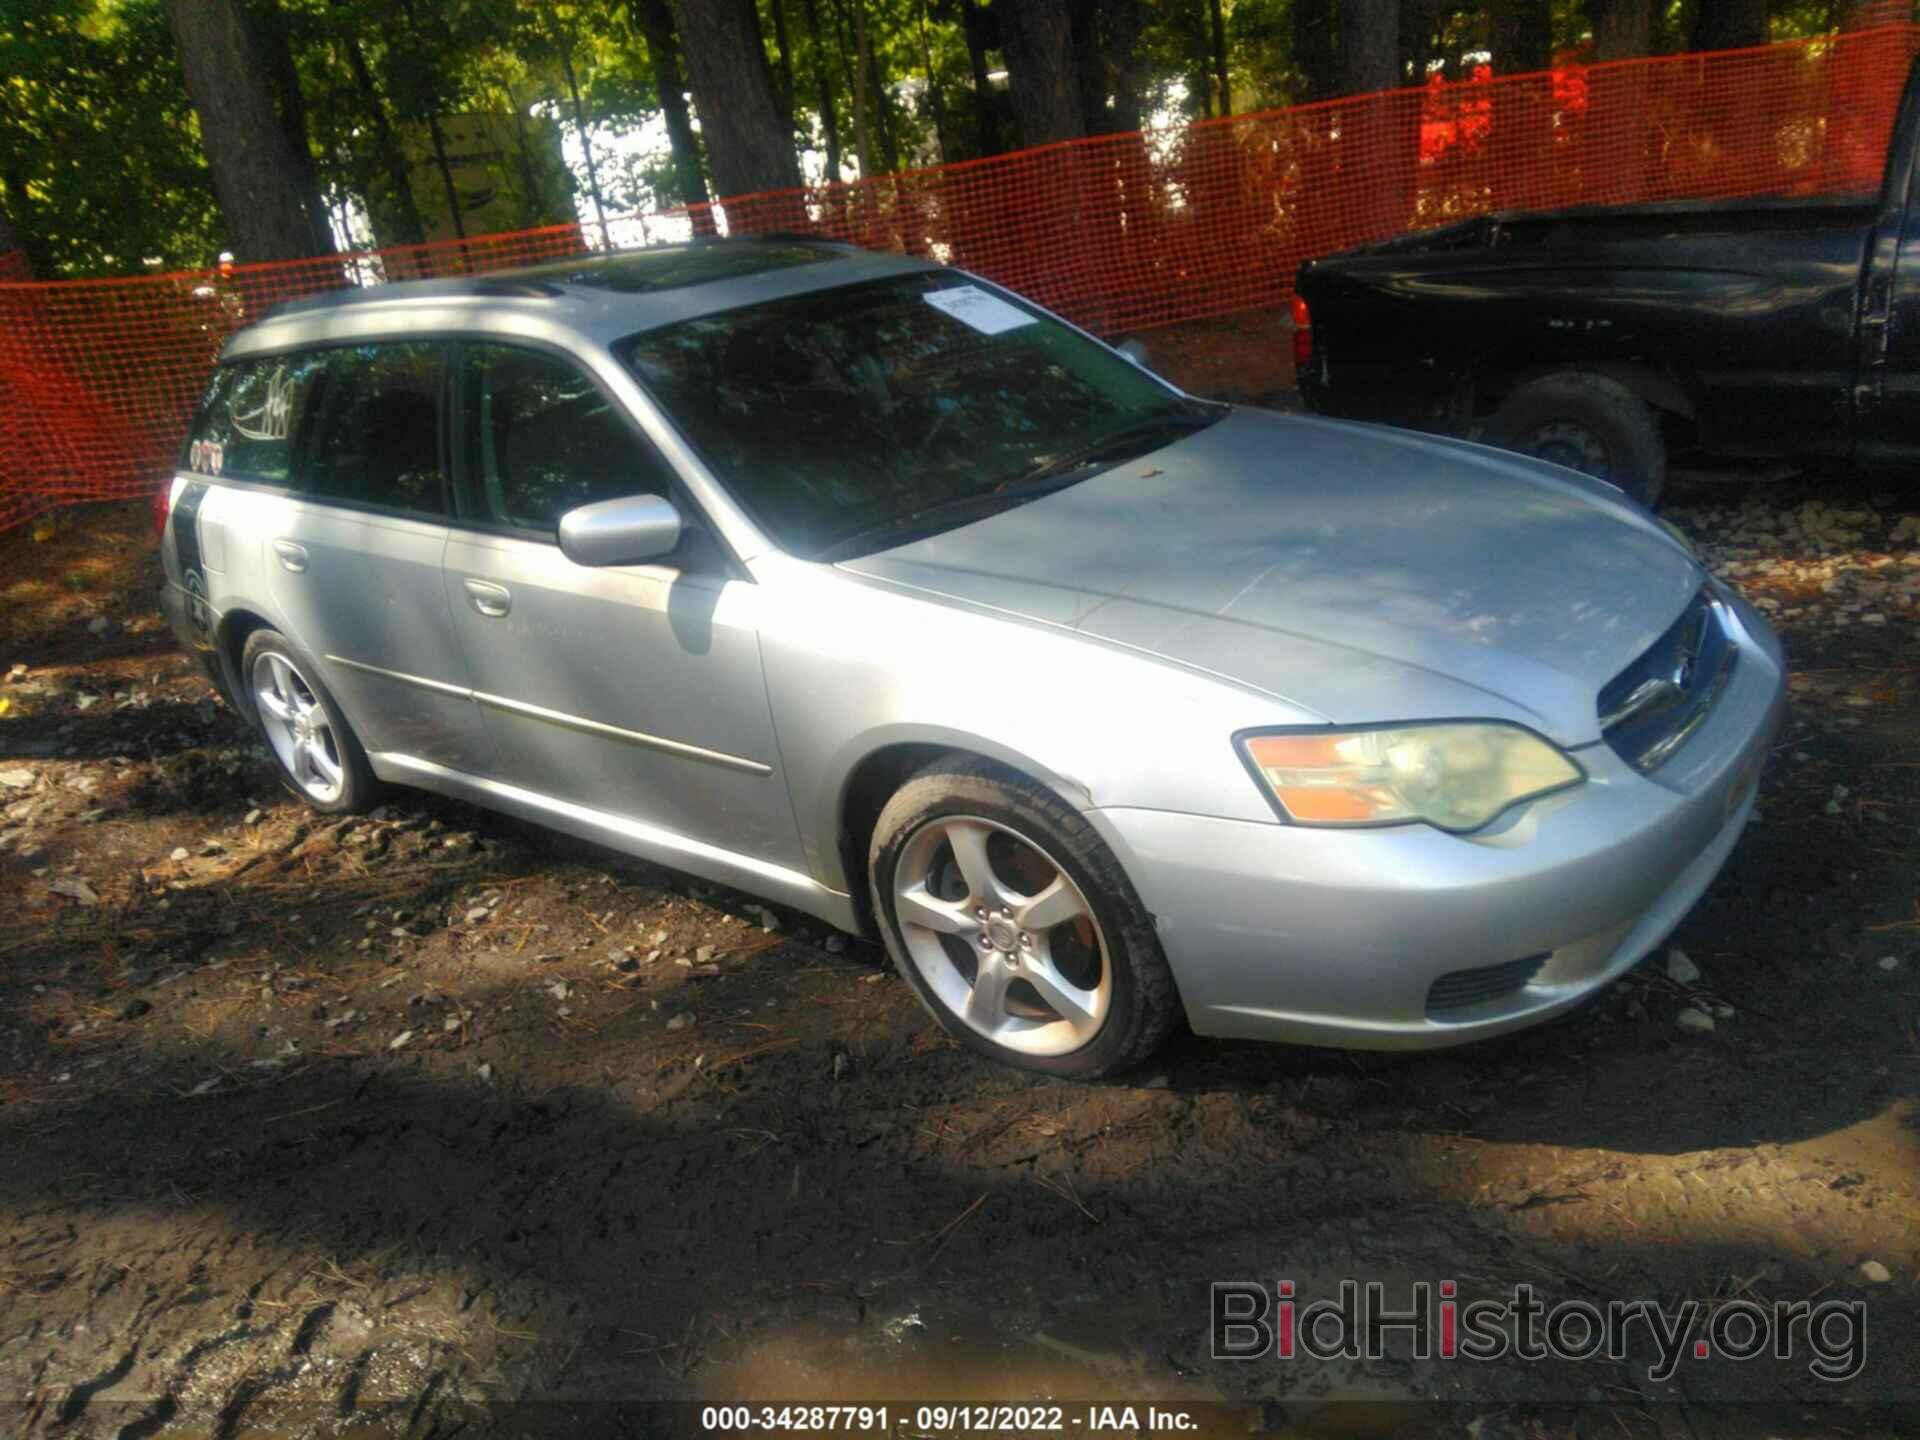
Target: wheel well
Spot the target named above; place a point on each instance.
(869, 788)
(1660, 389)
(235, 628)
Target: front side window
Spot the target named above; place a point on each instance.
(541, 439)
(847, 419)
(371, 433)
(244, 427)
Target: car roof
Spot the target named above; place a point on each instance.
(591, 298)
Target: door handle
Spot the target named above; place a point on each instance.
(489, 599)
(292, 557)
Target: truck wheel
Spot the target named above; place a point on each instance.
(1588, 423)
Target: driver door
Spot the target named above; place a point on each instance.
(635, 691)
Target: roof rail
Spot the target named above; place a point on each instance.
(785, 237)
(504, 287)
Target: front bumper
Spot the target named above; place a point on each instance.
(1284, 932)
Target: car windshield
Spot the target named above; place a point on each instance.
(850, 419)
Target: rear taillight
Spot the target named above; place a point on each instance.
(159, 503)
(1302, 334)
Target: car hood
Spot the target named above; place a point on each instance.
(1360, 574)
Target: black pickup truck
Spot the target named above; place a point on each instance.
(1607, 338)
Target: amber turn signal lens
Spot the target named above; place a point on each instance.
(1455, 775)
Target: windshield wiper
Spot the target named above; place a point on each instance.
(1055, 473)
(943, 515)
(1116, 445)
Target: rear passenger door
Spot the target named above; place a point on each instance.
(635, 691)
(354, 560)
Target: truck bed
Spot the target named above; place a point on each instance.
(1735, 317)
(1582, 224)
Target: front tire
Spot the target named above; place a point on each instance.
(1587, 422)
(319, 757)
(1015, 925)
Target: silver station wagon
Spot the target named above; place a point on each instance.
(861, 584)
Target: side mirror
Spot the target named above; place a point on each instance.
(627, 531)
(1134, 351)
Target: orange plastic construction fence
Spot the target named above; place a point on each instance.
(1117, 232)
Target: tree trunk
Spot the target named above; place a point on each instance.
(1036, 36)
(256, 175)
(978, 24)
(1522, 35)
(882, 113)
(1622, 29)
(1090, 64)
(1129, 83)
(663, 50)
(1419, 20)
(862, 114)
(1615, 159)
(749, 146)
(565, 45)
(1369, 46)
(19, 257)
(271, 28)
(823, 85)
(441, 163)
(1313, 48)
(1730, 24)
(936, 94)
(1382, 131)
(1220, 59)
(783, 73)
(387, 142)
(1522, 135)
(533, 198)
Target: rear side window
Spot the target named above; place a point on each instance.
(370, 435)
(541, 440)
(244, 427)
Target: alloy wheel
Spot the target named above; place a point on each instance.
(298, 728)
(1003, 935)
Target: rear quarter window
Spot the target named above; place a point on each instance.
(244, 427)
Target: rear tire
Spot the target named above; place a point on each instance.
(1015, 925)
(1587, 422)
(319, 757)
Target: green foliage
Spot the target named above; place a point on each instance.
(101, 170)
(92, 115)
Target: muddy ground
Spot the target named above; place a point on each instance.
(388, 1124)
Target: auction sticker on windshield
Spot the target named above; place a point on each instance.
(974, 307)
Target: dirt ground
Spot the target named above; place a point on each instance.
(389, 1125)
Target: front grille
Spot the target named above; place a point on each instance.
(1463, 989)
(1649, 709)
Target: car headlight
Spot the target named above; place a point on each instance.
(1456, 775)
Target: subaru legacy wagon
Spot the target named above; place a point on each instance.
(864, 585)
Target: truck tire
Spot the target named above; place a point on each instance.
(1587, 422)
